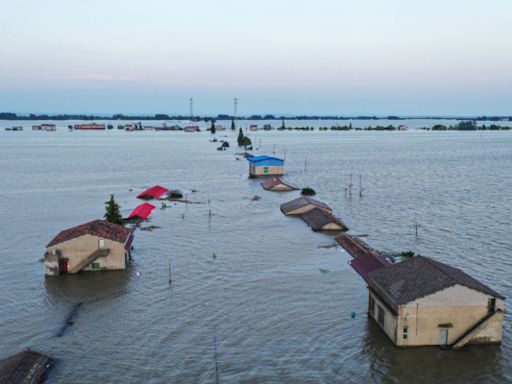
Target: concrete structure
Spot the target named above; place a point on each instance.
(265, 166)
(421, 302)
(97, 245)
(302, 205)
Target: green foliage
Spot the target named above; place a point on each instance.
(240, 137)
(406, 255)
(212, 129)
(110, 126)
(439, 127)
(113, 212)
(233, 127)
(120, 126)
(307, 191)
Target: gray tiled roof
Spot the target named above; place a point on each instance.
(302, 202)
(401, 283)
(318, 218)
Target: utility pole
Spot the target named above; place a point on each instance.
(170, 276)
(416, 226)
(350, 186)
(360, 185)
(191, 110)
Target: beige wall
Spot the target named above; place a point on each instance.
(332, 227)
(79, 248)
(461, 306)
(260, 170)
(389, 317)
(304, 209)
(281, 187)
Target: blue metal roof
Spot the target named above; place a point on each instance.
(265, 161)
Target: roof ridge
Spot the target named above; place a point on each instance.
(433, 262)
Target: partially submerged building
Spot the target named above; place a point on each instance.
(44, 127)
(321, 220)
(302, 205)
(93, 246)
(192, 128)
(265, 166)
(154, 192)
(89, 127)
(422, 302)
(142, 211)
(365, 259)
(275, 184)
(27, 367)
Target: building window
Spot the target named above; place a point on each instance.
(95, 265)
(371, 306)
(381, 316)
(265, 170)
(491, 305)
(405, 333)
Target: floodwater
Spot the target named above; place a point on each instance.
(262, 303)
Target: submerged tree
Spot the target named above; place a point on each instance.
(113, 212)
(233, 127)
(240, 137)
(212, 128)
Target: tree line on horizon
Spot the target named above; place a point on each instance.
(163, 116)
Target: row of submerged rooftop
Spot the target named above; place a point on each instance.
(417, 301)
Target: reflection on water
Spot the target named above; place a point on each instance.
(86, 287)
(275, 316)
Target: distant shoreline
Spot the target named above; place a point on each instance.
(223, 117)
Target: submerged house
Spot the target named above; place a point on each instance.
(89, 127)
(365, 259)
(44, 127)
(154, 192)
(142, 211)
(275, 184)
(97, 245)
(321, 220)
(422, 302)
(302, 205)
(265, 166)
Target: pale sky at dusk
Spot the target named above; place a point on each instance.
(291, 56)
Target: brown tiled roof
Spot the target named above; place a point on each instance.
(318, 218)
(100, 228)
(401, 283)
(302, 202)
(273, 182)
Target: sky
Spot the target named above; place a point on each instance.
(400, 57)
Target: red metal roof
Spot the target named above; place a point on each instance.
(100, 228)
(153, 192)
(366, 263)
(143, 211)
(366, 259)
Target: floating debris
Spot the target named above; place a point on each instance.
(70, 320)
(149, 228)
(324, 270)
(256, 198)
(328, 246)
